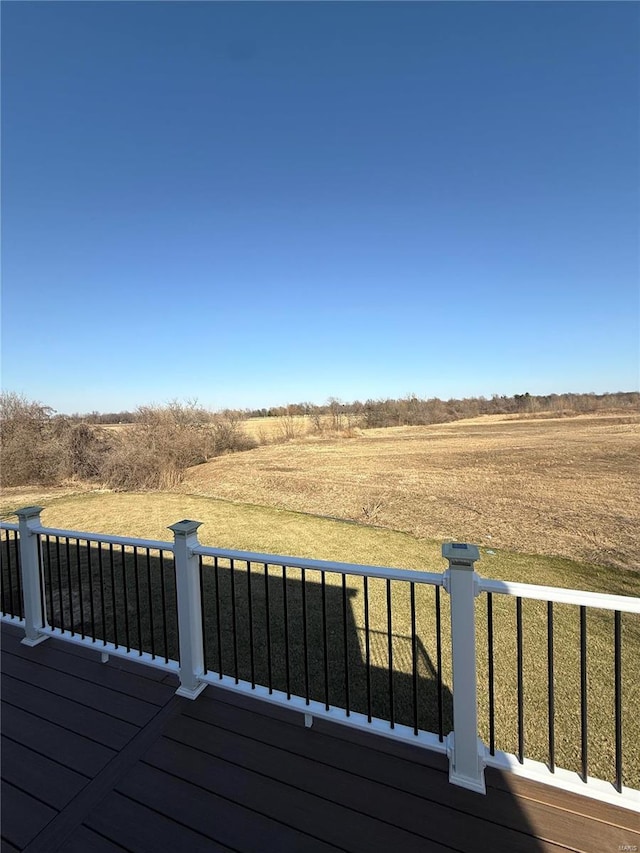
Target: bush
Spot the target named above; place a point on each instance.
(39, 448)
(155, 452)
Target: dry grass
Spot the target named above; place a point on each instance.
(556, 486)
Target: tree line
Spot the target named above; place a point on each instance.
(415, 411)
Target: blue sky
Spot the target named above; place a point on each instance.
(261, 203)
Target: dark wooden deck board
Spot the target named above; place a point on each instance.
(227, 773)
(118, 674)
(81, 718)
(112, 702)
(47, 780)
(216, 817)
(67, 748)
(86, 841)
(144, 830)
(23, 817)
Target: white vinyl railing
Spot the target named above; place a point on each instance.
(28, 581)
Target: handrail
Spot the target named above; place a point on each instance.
(408, 575)
(154, 544)
(9, 525)
(604, 601)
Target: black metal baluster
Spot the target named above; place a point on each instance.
(250, 613)
(50, 583)
(286, 632)
(114, 606)
(7, 594)
(16, 551)
(492, 722)
(174, 603)
(163, 596)
(520, 681)
(551, 689)
(367, 645)
(268, 626)
(203, 612)
(325, 647)
(305, 640)
(92, 613)
(103, 614)
(72, 614)
(390, 647)
(60, 598)
(216, 577)
(42, 580)
(233, 618)
(123, 557)
(439, 665)
(136, 574)
(414, 657)
(617, 639)
(136, 571)
(80, 595)
(583, 691)
(345, 641)
(151, 617)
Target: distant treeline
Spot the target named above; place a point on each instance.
(412, 410)
(415, 411)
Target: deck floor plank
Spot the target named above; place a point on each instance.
(118, 674)
(67, 748)
(83, 719)
(47, 780)
(128, 708)
(217, 817)
(142, 827)
(493, 821)
(367, 813)
(23, 816)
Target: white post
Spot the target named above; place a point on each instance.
(465, 750)
(189, 613)
(32, 591)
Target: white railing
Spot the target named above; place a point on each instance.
(467, 753)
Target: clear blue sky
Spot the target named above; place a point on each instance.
(255, 204)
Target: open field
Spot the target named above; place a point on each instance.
(555, 486)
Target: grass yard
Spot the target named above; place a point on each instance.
(273, 530)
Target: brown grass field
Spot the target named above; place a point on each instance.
(554, 486)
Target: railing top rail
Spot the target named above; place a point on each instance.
(626, 603)
(409, 575)
(8, 525)
(153, 544)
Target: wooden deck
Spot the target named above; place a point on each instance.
(104, 757)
